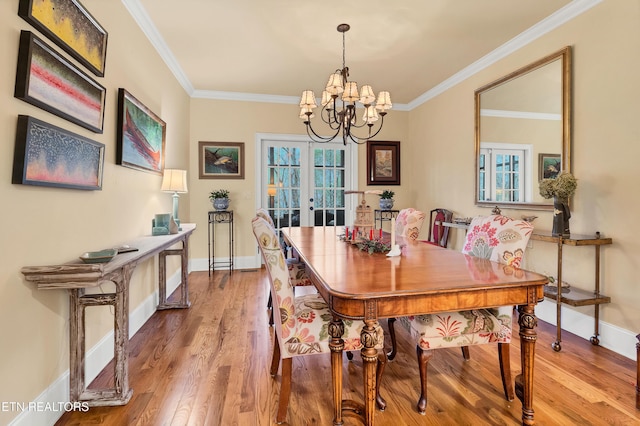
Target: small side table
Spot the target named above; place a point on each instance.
(220, 217)
(384, 215)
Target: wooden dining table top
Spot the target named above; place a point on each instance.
(425, 278)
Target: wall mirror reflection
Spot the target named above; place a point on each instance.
(523, 132)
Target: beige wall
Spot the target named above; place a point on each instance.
(605, 155)
(43, 226)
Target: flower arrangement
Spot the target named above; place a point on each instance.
(375, 245)
(563, 186)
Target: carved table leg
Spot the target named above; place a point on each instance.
(336, 344)
(369, 365)
(524, 381)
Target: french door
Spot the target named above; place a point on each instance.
(303, 183)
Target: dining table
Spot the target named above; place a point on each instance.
(423, 279)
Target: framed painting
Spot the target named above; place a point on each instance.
(69, 25)
(221, 160)
(141, 135)
(47, 155)
(549, 166)
(48, 81)
(383, 163)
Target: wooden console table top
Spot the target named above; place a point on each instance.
(76, 274)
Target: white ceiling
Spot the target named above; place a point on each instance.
(272, 50)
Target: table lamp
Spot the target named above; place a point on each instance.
(174, 180)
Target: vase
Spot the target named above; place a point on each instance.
(386, 203)
(221, 203)
(561, 216)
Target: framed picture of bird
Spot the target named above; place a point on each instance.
(549, 166)
(221, 160)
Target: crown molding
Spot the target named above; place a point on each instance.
(145, 23)
(560, 17)
(551, 22)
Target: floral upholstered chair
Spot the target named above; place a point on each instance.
(499, 239)
(409, 222)
(297, 271)
(302, 328)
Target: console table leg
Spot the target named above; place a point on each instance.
(121, 336)
(76, 344)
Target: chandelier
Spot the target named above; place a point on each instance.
(339, 105)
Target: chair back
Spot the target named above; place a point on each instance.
(281, 288)
(498, 238)
(263, 213)
(438, 233)
(409, 222)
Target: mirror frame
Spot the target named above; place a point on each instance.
(564, 55)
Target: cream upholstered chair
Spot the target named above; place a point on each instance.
(303, 323)
(499, 239)
(409, 222)
(297, 271)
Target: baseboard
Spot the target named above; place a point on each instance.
(243, 262)
(49, 406)
(611, 337)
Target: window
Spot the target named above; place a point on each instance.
(504, 173)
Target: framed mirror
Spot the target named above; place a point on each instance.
(523, 133)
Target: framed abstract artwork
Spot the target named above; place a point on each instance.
(141, 135)
(69, 25)
(48, 81)
(383, 163)
(221, 160)
(47, 155)
(549, 166)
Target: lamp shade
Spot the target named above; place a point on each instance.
(174, 180)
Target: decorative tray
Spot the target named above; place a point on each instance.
(102, 256)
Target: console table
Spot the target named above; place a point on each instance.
(220, 217)
(76, 277)
(575, 296)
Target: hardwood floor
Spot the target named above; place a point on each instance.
(209, 365)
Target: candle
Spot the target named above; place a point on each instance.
(346, 233)
(380, 232)
(371, 234)
(393, 232)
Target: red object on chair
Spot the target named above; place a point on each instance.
(438, 233)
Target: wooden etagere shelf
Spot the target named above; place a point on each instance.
(574, 296)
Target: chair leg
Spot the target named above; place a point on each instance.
(392, 333)
(275, 358)
(270, 309)
(465, 353)
(423, 363)
(382, 362)
(285, 391)
(505, 370)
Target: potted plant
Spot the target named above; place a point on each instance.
(220, 199)
(386, 200)
(560, 189)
